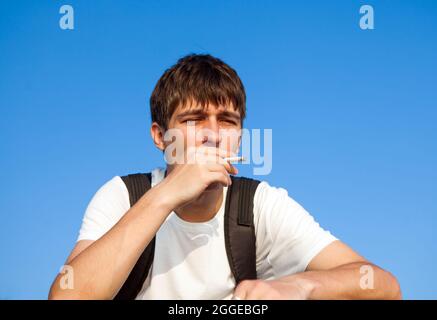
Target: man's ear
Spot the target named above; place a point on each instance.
(157, 134)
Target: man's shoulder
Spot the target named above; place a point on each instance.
(111, 189)
(157, 174)
(269, 197)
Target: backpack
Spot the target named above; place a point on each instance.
(238, 228)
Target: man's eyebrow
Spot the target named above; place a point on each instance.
(201, 112)
(190, 113)
(231, 114)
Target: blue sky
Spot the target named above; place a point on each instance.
(353, 114)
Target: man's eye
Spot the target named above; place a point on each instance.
(191, 119)
(232, 122)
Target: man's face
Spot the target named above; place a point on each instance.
(194, 126)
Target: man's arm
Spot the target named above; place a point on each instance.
(100, 268)
(337, 272)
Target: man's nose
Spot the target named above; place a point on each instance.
(211, 134)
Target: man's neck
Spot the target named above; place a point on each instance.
(202, 209)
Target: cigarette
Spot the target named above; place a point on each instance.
(235, 159)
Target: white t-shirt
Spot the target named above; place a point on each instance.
(190, 258)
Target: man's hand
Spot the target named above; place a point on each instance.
(292, 288)
(204, 168)
(341, 282)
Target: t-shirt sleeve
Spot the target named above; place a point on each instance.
(288, 237)
(105, 209)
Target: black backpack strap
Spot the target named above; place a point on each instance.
(137, 185)
(240, 238)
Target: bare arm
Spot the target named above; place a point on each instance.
(101, 267)
(335, 273)
(338, 272)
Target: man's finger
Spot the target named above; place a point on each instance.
(229, 167)
(219, 160)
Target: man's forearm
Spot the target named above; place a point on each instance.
(359, 280)
(101, 269)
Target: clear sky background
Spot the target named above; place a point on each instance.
(353, 114)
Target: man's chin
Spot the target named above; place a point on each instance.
(214, 187)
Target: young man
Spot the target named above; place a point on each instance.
(184, 212)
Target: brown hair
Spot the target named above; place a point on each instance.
(196, 77)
